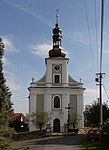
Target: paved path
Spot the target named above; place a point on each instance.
(53, 143)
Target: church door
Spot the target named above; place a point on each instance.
(56, 125)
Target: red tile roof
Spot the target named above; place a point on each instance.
(17, 116)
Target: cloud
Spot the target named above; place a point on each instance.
(90, 91)
(41, 49)
(9, 44)
(78, 37)
(12, 83)
(5, 61)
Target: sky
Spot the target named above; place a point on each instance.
(26, 29)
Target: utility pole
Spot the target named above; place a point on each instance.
(99, 80)
(100, 74)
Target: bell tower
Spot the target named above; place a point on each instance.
(56, 64)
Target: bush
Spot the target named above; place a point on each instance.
(4, 143)
(6, 132)
(5, 137)
(105, 128)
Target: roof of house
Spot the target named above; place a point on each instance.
(16, 115)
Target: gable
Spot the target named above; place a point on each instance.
(42, 79)
(71, 80)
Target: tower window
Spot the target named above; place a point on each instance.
(56, 78)
(57, 43)
(56, 102)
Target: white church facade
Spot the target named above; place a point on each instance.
(56, 89)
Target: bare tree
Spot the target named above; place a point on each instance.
(74, 119)
(39, 118)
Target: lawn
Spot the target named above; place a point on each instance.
(87, 145)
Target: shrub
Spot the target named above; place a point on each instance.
(5, 137)
(4, 143)
(6, 132)
(105, 128)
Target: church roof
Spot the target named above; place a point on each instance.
(71, 80)
(71, 83)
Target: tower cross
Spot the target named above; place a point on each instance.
(57, 16)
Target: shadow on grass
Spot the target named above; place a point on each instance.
(87, 145)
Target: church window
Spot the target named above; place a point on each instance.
(56, 102)
(56, 78)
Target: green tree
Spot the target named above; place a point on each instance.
(5, 94)
(91, 113)
(74, 119)
(105, 128)
(39, 118)
(5, 106)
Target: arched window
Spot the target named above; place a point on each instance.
(56, 102)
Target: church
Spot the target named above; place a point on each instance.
(56, 92)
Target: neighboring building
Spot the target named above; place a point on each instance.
(56, 89)
(19, 122)
(20, 117)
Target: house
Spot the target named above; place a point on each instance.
(19, 122)
(20, 117)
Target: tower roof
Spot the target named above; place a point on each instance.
(57, 50)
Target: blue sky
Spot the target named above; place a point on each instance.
(26, 28)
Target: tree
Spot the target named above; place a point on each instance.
(74, 119)
(39, 118)
(5, 94)
(5, 106)
(105, 128)
(92, 112)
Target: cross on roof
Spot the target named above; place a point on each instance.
(57, 16)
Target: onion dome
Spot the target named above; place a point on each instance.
(57, 50)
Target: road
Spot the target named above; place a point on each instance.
(53, 143)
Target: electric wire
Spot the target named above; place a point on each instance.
(18, 99)
(106, 91)
(18, 96)
(101, 44)
(96, 35)
(89, 35)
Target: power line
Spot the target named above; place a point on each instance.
(106, 91)
(18, 99)
(101, 46)
(89, 35)
(96, 34)
(19, 96)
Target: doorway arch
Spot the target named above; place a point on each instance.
(56, 125)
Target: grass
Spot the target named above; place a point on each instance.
(87, 145)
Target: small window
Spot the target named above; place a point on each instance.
(56, 102)
(57, 42)
(56, 79)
